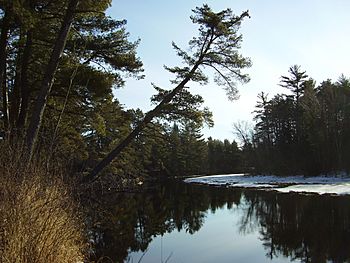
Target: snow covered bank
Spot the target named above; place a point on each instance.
(337, 185)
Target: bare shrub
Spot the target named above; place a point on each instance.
(39, 221)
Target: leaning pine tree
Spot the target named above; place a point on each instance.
(216, 47)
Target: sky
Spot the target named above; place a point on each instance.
(314, 34)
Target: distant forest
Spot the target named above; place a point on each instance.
(305, 132)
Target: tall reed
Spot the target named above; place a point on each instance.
(39, 220)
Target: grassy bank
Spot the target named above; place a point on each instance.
(39, 220)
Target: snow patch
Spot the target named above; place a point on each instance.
(336, 189)
(336, 185)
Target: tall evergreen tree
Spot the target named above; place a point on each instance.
(216, 47)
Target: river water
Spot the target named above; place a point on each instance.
(178, 222)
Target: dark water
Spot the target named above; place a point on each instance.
(177, 222)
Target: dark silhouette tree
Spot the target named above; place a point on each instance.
(295, 82)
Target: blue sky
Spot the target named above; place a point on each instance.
(310, 33)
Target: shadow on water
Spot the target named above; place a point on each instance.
(306, 228)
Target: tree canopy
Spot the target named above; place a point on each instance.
(61, 61)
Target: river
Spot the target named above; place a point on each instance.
(178, 222)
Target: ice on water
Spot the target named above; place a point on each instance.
(336, 184)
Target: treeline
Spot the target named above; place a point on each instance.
(306, 131)
(183, 152)
(164, 150)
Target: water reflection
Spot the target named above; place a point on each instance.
(290, 226)
(308, 228)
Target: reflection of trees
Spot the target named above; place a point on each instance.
(308, 228)
(129, 221)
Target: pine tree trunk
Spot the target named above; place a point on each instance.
(24, 83)
(15, 96)
(46, 84)
(3, 86)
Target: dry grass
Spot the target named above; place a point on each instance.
(39, 221)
